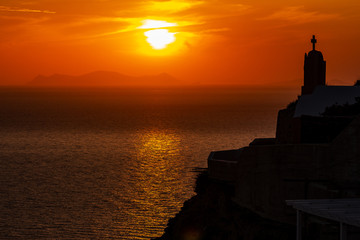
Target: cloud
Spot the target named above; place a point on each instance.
(209, 17)
(172, 5)
(23, 10)
(215, 9)
(113, 17)
(149, 23)
(297, 14)
(106, 26)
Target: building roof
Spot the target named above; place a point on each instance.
(325, 96)
(316, 54)
(340, 210)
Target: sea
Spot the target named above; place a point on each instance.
(116, 163)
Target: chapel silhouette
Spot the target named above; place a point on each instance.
(314, 70)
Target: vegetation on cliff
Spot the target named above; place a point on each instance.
(343, 110)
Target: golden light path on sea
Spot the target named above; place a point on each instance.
(158, 176)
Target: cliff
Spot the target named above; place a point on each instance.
(213, 215)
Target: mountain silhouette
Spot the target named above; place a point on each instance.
(103, 78)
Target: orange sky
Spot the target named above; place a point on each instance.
(244, 42)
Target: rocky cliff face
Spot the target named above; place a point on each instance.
(212, 214)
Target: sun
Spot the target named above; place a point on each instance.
(158, 37)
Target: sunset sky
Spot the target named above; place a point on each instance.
(242, 42)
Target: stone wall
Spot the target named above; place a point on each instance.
(322, 129)
(288, 128)
(268, 175)
(222, 164)
(308, 129)
(345, 151)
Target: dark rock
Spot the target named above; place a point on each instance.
(212, 215)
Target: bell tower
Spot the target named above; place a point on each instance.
(314, 70)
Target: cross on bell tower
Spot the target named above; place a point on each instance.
(313, 41)
(314, 70)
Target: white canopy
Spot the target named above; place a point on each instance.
(325, 96)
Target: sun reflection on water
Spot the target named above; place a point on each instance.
(158, 178)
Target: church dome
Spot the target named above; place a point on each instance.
(315, 55)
